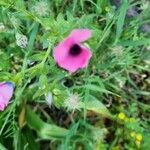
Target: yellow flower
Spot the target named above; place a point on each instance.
(139, 137)
(132, 134)
(121, 116)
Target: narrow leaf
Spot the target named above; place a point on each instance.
(121, 18)
(2, 147)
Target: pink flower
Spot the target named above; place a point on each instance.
(6, 92)
(70, 54)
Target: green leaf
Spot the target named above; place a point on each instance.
(45, 130)
(29, 137)
(96, 88)
(93, 104)
(143, 41)
(4, 61)
(38, 56)
(33, 36)
(2, 147)
(121, 18)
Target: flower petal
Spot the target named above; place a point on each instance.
(72, 64)
(2, 103)
(80, 35)
(62, 49)
(6, 92)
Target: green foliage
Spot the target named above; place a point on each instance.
(112, 93)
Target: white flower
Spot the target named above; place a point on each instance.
(2, 27)
(41, 8)
(49, 98)
(21, 40)
(73, 102)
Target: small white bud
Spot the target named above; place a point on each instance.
(49, 98)
(21, 40)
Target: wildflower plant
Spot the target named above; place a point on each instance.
(74, 74)
(70, 54)
(41, 8)
(73, 103)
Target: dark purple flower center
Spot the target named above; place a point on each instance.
(75, 50)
